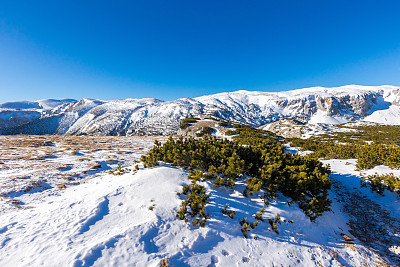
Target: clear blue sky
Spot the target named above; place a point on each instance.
(173, 49)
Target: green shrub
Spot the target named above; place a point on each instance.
(367, 155)
(273, 223)
(224, 124)
(381, 182)
(194, 204)
(254, 153)
(229, 213)
(118, 171)
(205, 131)
(186, 122)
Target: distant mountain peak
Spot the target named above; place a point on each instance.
(149, 116)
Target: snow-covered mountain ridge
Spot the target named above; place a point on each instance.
(13, 114)
(150, 116)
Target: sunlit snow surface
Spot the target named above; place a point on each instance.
(150, 116)
(106, 221)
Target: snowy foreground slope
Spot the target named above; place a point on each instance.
(150, 116)
(107, 222)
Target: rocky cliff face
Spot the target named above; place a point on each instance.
(393, 96)
(350, 106)
(155, 117)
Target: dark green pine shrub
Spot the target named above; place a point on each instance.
(227, 212)
(370, 145)
(274, 223)
(224, 124)
(205, 131)
(246, 226)
(245, 229)
(259, 214)
(194, 204)
(257, 154)
(117, 171)
(381, 182)
(186, 122)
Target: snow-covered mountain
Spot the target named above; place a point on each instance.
(13, 114)
(39, 104)
(151, 116)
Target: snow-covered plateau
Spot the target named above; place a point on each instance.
(107, 222)
(103, 219)
(150, 116)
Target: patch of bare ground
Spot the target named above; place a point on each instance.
(31, 163)
(370, 224)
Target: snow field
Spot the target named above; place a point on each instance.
(107, 222)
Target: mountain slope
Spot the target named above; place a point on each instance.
(14, 114)
(152, 117)
(107, 222)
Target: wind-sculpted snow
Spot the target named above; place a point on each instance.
(107, 222)
(150, 116)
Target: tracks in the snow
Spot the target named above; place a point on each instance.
(369, 222)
